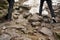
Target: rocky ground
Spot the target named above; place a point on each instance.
(27, 26)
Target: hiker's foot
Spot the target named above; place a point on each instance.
(39, 14)
(6, 18)
(53, 20)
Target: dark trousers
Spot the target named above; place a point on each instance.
(49, 2)
(10, 8)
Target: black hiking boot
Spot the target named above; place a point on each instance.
(53, 20)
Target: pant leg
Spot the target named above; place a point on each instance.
(49, 2)
(41, 6)
(10, 8)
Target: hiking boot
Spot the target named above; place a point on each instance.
(53, 20)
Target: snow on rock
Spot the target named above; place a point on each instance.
(34, 4)
(55, 2)
(34, 10)
(44, 12)
(16, 0)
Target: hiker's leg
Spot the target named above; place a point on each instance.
(41, 6)
(10, 9)
(49, 2)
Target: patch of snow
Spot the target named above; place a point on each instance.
(35, 4)
(16, 0)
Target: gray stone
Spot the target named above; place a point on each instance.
(35, 18)
(35, 24)
(26, 15)
(46, 31)
(5, 37)
(15, 16)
